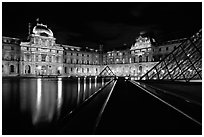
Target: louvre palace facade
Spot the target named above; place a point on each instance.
(42, 56)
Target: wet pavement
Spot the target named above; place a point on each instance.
(131, 110)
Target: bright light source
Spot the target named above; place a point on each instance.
(60, 68)
(39, 67)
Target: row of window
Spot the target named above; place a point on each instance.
(117, 54)
(43, 58)
(9, 47)
(42, 50)
(83, 70)
(131, 60)
(167, 48)
(77, 54)
(76, 61)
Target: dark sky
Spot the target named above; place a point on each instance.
(111, 24)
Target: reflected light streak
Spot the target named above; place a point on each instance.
(90, 84)
(84, 96)
(59, 95)
(36, 115)
(78, 94)
(95, 81)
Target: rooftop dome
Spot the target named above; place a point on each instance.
(42, 30)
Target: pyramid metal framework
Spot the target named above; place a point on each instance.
(183, 63)
(107, 72)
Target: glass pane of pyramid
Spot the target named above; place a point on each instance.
(185, 62)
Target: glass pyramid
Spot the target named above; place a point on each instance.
(183, 63)
(107, 72)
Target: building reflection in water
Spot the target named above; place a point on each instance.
(59, 96)
(48, 100)
(84, 94)
(40, 102)
(37, 109)
(95, 81)
(78, 93)
(89, 86)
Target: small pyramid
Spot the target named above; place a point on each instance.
(107, 72)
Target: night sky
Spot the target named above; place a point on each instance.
(112, 24)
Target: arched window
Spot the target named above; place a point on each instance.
(27, 69)
(43, 57)
(140, 69)
(146, 58)
(12, 69)
(140, 58)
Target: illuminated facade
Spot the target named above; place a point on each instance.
(10, 56)
(42, 56)
(141, 57)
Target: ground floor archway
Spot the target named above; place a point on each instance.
(27, 69)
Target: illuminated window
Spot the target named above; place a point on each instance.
(11, 68)
(140, 58)
(43, 57)
(140, 69)
(146, 58)
(27, 57)
(58, 59)
(65, 70)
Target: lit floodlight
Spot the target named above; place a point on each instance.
(39, 67)
(60, 68)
